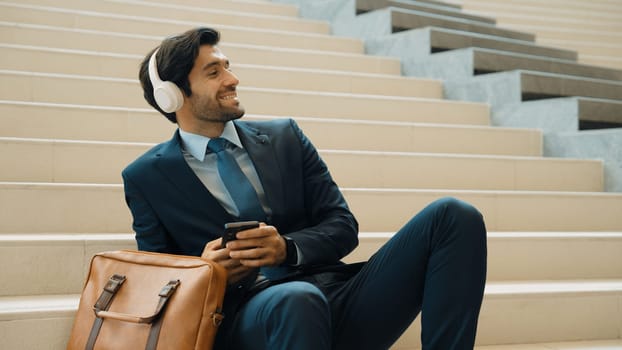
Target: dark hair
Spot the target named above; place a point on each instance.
(175, 60)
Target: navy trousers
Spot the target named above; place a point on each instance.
(436, 265)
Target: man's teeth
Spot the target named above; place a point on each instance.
(230, 97)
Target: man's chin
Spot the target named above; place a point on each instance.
(225, 116)
(237, 115)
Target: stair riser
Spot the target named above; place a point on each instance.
(261, 55)
(535, 258)
(124, 93)
(83, 208)
(586, 48)
(250, 7)
(571, 87)
(615, 63)
(102, 163)
(605, 37)
(577, 7)
(464, 63)
(33, 333)
(510, 22)
(503, 320)
(505, 89)
(442, 39)
(73, 38)
(389, 210)
(527, 319)
(101, 125)
(249, 75)
(154, 22)
(408, 20)
(492, 62)
(60, 266)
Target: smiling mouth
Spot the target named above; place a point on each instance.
(229, 97)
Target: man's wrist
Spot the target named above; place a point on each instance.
(291, 252)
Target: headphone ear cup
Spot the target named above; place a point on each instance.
(168, 96)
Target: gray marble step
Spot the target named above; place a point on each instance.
(464, 63)
(420, 43)
(363, 6)
(521, 85)
(590, 144)
(565, 114)
(392, 19)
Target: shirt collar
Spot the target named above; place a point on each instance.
(197, 144)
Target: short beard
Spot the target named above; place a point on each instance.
(206, 113)
(220, 116)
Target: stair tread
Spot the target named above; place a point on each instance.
(443, 38)
(25, 33)
(192, 18)
(34, 303)
(615, 344)
(6, 238)
(403, 19)
(369, 5)
(497, 60)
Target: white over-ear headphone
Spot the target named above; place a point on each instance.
(167, 95)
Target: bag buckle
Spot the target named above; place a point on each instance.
(114, 283)
(169, 288)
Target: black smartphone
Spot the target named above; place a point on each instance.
(232, 228)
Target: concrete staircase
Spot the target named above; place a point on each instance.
(527, 82)
(590, 27)
(72, 116)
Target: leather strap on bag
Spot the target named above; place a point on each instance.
(103, 303)
(155, 319)
(164, 294)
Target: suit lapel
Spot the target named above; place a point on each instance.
(258, 145)
(171, 163)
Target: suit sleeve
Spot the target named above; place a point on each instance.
(151, 235)
(333, 230)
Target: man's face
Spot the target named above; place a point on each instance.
(214, 97)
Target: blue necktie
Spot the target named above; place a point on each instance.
(240, 188)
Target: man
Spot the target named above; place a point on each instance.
(287, 287)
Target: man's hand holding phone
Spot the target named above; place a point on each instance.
(246, 246)
(232, 228)
(255, 246)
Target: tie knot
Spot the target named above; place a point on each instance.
(216, 145)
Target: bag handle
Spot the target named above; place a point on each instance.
(103, 303)
(165, 294)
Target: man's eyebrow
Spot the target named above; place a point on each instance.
(215, 63)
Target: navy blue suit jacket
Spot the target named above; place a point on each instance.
(175, 213)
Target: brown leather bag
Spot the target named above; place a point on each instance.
(140, 300)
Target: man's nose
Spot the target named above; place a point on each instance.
(232, 79)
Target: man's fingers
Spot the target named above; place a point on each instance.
(255, 257)
(261, 231)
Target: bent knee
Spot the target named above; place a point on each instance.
(460, 211)
(300, 296)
